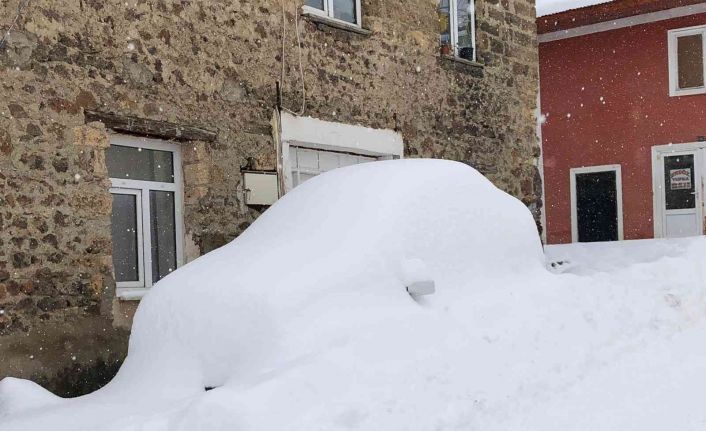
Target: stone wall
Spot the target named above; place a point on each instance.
(215, 65)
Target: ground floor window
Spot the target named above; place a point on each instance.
(146, 221)
(310, 147)
(596, 204)
(307, 163)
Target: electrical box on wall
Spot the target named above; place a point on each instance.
(261, 188)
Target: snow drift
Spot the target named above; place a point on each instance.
(304, 323)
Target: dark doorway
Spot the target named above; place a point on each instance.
(597, 206)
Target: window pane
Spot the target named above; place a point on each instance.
(318, 4)
(140, 164)
(464, 12)
(690, 54)
(445, 26)
(344, 10)
(163, 234)
(679, 187)
(124, 230)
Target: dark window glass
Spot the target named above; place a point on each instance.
(690, 55)
(134, 163)
(318, 4)
(163, 234)
(345, 10)
(124, 231)
(679, 184)
(597, 207)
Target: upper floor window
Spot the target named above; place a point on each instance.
(457, 20)
(343, 10)
(687, 63)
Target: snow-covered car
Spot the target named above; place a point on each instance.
(312, 320)
(308, 313)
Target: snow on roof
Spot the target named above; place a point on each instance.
(549, 7)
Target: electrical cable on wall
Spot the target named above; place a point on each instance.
(299, 50)
(20, 8)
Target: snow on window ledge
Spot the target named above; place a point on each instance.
(470, 63)
(333, 22)
(687, 92)
(130, 294)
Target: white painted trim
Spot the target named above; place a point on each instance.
(619, 195)
(672, 36)
(631, 21)
(328, 13)
(177, 187)
(318, 134)
(658, 152)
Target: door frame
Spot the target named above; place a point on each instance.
(618, 195)
(658, 152)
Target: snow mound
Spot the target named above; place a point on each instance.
(323, 275)
(19, 395)
(329, 252)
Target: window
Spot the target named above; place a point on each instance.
(342, 10)
(457, 22)
(146, 222)
(310, 147)
(686, 61)
(307, 163)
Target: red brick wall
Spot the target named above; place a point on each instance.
(628, 68)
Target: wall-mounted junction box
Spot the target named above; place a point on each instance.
(261, 188)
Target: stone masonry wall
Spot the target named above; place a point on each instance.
(214, 65)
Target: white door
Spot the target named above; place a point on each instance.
(682, 193)
(307, 163)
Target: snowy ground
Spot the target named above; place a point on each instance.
(304, 323)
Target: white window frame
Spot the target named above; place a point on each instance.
(131, 290)
(673, 35)
(453, 23)
(619, 195)
(140, 254)
(328, 13)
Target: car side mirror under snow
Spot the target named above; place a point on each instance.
(424, 287)
(416, 277)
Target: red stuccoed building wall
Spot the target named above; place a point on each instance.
(605, 99)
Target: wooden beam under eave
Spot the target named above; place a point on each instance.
(144, 126)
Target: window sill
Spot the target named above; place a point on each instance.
(335, 23)
(469, 63)
(690, 92)
(130, 293)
